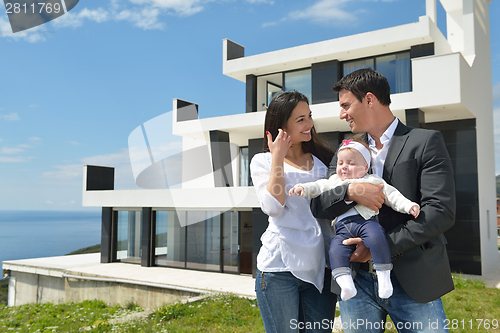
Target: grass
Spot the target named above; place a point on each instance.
(217, 313)
(465, 306)
(470, 303)
(47, 317)
(4, 287)
(471, 307)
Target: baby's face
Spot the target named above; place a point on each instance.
(351, 164)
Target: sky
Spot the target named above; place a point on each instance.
(73, 90)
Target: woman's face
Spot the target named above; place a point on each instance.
(299, 125)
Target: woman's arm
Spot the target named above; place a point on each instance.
(278, 148)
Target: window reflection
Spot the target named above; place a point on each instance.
(272, 90)
(396, 68)
(231, 242)
(129, 229)
(354, 65)
(192, 239)
(170, 240)
(301, 81)
(244, 166)
(203, 241)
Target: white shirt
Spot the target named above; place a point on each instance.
(393, 198)
(379, 156)
(293, 241)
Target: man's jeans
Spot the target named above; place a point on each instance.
(366, 312)
(288, 304)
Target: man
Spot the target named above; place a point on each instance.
(416, 162)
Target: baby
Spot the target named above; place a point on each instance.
(353, 162)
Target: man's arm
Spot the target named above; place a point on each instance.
(437, 199)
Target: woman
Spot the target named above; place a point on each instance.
(292, 284)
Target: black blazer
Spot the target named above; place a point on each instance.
(419, 166)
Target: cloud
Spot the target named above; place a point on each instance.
(144, 14)
(10, 117)
(147, 18)
(112, 159)
(65, 172)
(496, 93)
(261, 1)
(7, 159)
(14, 150)
(179, 7)
(76, 143)
(324, 11)
(32, 35)
(8, 151)
(75, 20)
(74, 172)
(35, 139)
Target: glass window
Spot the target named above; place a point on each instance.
(231, 241)
(170, 241)
(396, 68)
(129, 229)
(203, 240)
(272, 90)
(244, 166)
(192, 239)
(351, 66)
(299, 80)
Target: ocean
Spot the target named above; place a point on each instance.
(37, 234)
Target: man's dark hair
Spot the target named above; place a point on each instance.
(363, 81)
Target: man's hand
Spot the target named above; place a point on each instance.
(361, 254)
(366, 194)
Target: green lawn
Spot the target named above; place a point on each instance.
(472, 307)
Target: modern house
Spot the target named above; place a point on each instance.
(213, 222)
(198, 209)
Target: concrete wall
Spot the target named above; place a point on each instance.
(25, 288)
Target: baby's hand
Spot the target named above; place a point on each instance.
(415, 210)
(297, 190)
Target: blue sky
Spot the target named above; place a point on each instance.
(73, 90)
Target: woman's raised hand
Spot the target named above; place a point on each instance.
(279, 147)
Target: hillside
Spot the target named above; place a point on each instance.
(4, 283)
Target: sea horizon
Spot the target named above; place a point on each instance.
(26, 234)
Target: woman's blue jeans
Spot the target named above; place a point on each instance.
(288, 304)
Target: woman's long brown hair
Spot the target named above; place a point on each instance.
(278, 112)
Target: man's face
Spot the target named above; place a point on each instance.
(356, 113)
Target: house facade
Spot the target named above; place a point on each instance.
(207, 217)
